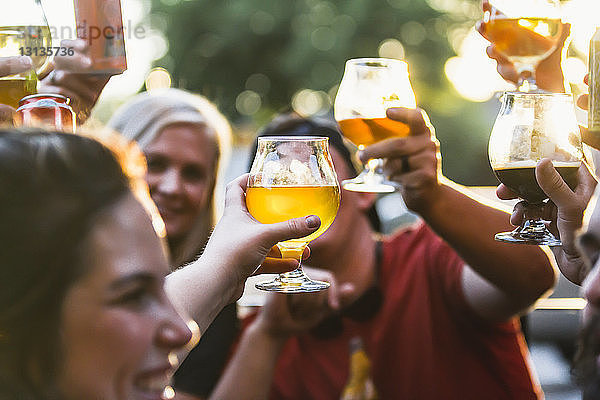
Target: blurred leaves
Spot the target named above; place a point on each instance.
(252, 56)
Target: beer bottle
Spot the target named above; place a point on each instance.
(100, 23)
(360, 384)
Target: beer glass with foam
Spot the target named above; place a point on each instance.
(292, 177)
(530, 127)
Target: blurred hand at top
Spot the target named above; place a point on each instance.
(549, 73)
(413, 161)
(70, 76)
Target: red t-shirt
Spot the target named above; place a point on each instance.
(424, 343)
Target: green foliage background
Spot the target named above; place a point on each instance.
(215, 46)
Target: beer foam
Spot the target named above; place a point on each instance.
(532, 164)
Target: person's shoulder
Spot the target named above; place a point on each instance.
(416, 232)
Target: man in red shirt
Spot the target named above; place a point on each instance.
(428, 313)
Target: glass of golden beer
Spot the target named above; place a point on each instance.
(293, 177)
(524, 31)
(24, 31)
(369, 87)
(530, 127)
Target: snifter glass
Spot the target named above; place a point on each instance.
(369, 87)
(524, 31)
(24, 31)
(292, 177)
(530, 127)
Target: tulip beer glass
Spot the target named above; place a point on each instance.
(530, 127)
(24, 31)
(524, 31)
(369, 87)
(293, 177)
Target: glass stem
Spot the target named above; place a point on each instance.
(297, 274)
(532, 224)
(526, 81)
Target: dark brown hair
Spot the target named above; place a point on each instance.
(52, 187)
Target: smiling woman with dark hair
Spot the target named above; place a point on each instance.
(84, 311)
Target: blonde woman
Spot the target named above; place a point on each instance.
(186, 142)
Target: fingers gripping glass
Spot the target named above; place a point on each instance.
(531, 127)
(369, 87)
(293, 177)
(525, 32)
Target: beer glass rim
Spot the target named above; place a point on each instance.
(293, 138)
(364, 62)
(565, 96)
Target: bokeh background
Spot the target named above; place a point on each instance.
(254, 58)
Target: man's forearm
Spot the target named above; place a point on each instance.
(469, 227)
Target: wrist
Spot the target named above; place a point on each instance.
(262, 328)
(426, 201)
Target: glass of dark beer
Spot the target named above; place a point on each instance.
(530, 127)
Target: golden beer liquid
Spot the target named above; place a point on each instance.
(13, 90)
(12, 38)
(35, 41)
(280, 203)
(524, 40)
(366, 131)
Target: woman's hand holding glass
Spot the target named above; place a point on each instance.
(291, 177)
(249, 244)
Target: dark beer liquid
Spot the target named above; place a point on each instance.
(521, 180)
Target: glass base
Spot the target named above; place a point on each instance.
(301, 286)
(538, 238)
(293, 282)
(371, 180)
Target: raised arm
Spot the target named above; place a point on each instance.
(500, 280)
(238, 245)
(70, 77)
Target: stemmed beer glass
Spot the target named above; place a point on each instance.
(530, 127)
(291, 177)
(369, 87)
(524, 31)
(24, 31)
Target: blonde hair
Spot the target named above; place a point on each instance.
(146, 115)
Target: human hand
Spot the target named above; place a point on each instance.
(586, 136)
(246, 242)
(286, 315)
(69, 76)
(564, 211)
(549, 73)
(12, 66)
(413, 161)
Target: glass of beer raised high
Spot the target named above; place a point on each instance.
(369, 87)
(530, 127)
(24, 31)
(524, 31)
(293, 177)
